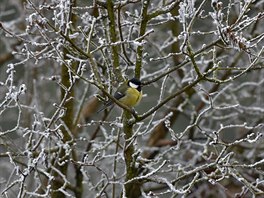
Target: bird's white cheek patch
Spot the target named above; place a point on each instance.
(133, 85)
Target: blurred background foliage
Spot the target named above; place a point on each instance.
(201, 125)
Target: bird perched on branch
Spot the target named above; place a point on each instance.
(128, 93)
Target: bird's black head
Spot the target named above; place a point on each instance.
(135, 83)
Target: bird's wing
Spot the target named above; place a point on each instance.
(118, 95)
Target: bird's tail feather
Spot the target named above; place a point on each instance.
(105, 106)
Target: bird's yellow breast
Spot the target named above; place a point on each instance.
(132, 98)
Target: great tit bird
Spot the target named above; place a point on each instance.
(129, 93)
